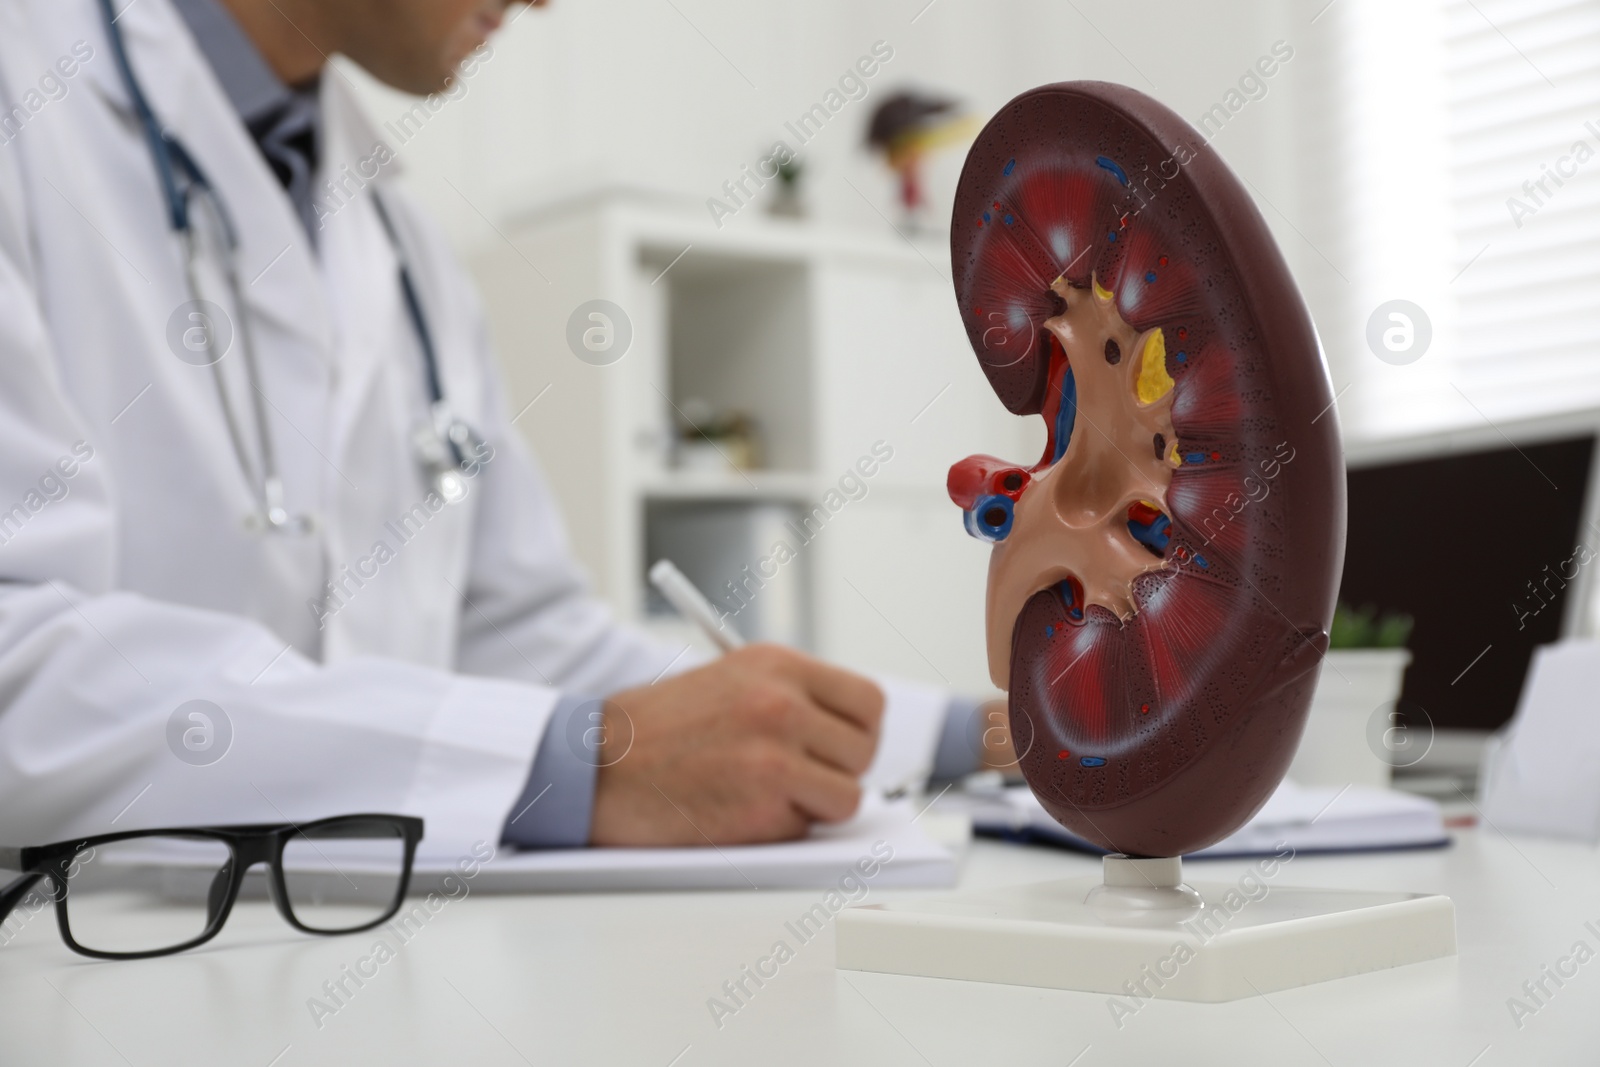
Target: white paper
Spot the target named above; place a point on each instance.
(1546, 773)
(913, 719)
(881, 828)
(1322, 818)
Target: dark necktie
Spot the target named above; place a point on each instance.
(287, 137)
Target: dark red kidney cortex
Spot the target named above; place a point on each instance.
(1163, 732)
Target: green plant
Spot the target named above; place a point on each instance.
(1365, 628)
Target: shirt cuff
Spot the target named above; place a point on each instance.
(957, 754)
(474, 753)
(557, 804)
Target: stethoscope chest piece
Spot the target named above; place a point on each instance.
(450, 452)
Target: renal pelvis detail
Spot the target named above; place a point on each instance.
(1163, 577)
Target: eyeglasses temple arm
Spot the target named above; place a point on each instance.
(14, 893)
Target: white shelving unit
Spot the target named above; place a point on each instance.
(832, 343)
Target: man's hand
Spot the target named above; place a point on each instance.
(754, 747)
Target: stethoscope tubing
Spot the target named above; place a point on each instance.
(171, 159)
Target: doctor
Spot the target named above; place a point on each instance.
(219, 398)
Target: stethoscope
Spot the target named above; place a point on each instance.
(449, 451)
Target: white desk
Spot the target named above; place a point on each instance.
(624, 979)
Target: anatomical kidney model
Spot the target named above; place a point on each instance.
(1162, 580)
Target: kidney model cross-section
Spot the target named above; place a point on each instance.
(1163, 577)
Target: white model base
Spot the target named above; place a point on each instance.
(1141, 932)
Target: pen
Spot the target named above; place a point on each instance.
(692, 605)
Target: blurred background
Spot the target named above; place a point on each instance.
(713, 361)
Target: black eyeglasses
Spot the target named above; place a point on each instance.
(155, 892)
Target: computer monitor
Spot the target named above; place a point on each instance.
(1489, 540)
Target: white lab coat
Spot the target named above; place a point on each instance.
(133, 586)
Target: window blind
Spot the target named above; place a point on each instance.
(1522, 95)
